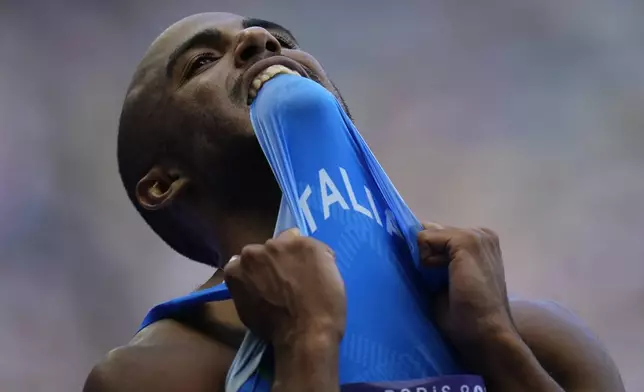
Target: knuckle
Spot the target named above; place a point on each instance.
(251, 252)
(468, 238)
(232, 268)
(490, 234)
(424, 236)
(331, 252)
(432, 226)
(273, 246)
(317, 245)
(302, 244)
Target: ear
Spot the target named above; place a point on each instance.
(159, 187)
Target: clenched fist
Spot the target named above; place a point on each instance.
(288, 288)
(475, 306)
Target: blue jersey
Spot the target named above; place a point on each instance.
(335, 191)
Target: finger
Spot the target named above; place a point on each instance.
(253, 257)
(289, 234)
(329, 251)
(489, 234)
(435, 261)
(234, 278)
(434, 241)
(434, 247)
(232, 269)
(319, 244)
(432, 226)
(432, 258)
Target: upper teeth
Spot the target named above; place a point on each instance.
(266, 75)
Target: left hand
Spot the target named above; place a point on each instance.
(475, 306)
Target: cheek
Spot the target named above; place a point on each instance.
(208, 92)
(313, 65)
(307, 60)
(205, 88)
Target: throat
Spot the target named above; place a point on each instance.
(237, 229)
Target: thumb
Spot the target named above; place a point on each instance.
(232, 268)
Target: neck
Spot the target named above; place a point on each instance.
(237, 230)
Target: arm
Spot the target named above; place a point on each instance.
(550, 350)
(119, 371)
(290, 293)
(507, 364)
(523, 347)
(157, 369)
(565, 347)
(172, 359)
(96, 381)
(309, 363)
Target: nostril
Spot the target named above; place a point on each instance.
(248, 52)
(272, 46)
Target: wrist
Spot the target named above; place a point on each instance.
(483, 333)
(507, 364)
(305, 344)
(482, 349)
(308, 362)
(311, 333)
(501, 342)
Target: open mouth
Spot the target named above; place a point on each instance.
(263, 71)
(266, 75)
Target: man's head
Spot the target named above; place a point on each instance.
(187, 152)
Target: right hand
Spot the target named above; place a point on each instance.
(288, 288)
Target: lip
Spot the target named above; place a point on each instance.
(255, 69)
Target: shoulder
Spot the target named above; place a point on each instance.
(565, 346)
(122, 369)
(167, 357)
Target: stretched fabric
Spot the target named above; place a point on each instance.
(335, 190)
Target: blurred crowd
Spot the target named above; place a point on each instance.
(526, 117)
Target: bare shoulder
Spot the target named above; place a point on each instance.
(166, 357)
(565, 347)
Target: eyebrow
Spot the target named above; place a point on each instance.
(202, 38)
(206, 38)
(265, 24)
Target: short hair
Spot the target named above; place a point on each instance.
(146, 137)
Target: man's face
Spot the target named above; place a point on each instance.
(207, 64)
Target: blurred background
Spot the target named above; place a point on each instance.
(527, 117)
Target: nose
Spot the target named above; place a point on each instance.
(253, 42)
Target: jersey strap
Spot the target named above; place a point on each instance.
(171, 308)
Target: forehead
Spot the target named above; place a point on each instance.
(150, 67)
(179, 32)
